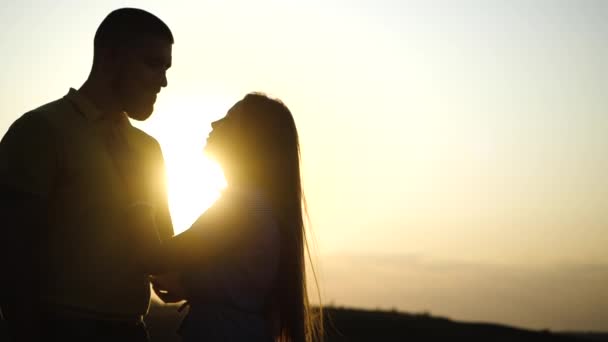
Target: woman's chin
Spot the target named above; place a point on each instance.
(209, 154)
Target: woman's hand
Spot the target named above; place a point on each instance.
(168, 287)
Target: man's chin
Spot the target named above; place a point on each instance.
(140, 115)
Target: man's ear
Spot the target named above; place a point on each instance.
(109, 60)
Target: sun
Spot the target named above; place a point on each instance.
(194, 183)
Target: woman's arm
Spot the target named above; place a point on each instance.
(201, 244)
(214, 231)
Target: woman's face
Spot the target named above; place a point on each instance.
(224, 135)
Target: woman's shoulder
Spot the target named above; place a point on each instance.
(240, 207)
(244, 200)
(253, 200)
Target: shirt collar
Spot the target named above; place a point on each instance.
(88, 109)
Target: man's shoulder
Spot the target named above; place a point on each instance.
(54, 107)
(38, 118)
(48, 112)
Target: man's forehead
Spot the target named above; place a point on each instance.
(155, 46)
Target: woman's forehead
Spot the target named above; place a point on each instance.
(236, 111)
(235, 108)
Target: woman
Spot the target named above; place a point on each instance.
(241, 264)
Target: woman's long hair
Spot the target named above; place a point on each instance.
(271, 154)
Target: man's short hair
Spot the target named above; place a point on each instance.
(124, 27)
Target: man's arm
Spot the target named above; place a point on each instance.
(149, 218)
(163, 215)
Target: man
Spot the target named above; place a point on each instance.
(75, 177)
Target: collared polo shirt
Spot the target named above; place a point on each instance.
(59, 153)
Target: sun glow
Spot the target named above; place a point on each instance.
(194, 182)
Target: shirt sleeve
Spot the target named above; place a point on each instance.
(28, 157)
(152, 257)
(163, 215)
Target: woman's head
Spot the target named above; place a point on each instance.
(257, 145)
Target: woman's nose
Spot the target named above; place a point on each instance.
(216, 124)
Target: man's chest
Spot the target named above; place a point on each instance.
(97, 169)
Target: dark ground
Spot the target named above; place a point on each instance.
(345, 324)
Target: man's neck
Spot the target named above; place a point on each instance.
(102, 98)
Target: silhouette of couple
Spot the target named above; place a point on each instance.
(86, 225)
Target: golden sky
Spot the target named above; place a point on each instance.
(457, 151)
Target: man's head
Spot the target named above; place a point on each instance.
(133, 52)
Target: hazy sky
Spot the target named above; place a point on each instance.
(455, 153)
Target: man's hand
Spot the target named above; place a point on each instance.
(168, 287)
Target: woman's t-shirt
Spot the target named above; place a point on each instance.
(232, 268)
